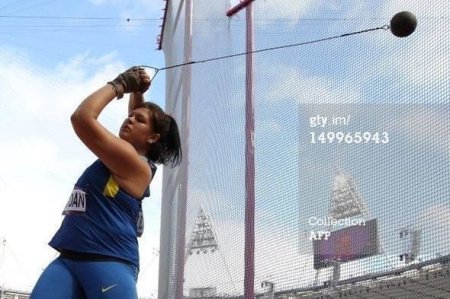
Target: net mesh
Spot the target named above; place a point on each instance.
(351, 149)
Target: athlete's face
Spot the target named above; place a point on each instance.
(137, 128)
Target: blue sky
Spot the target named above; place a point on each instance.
(52, 55)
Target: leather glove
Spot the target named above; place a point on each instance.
(132, 80)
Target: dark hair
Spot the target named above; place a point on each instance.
(167, 150)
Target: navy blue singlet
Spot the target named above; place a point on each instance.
(100, 218)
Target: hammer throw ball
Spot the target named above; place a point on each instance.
(403, 24)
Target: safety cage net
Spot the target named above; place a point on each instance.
(316, 150)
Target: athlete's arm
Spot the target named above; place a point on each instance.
(136, 99)
(119, 156)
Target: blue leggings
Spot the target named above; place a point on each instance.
(69, 279)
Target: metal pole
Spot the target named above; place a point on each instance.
(249, 250)
(249, 255)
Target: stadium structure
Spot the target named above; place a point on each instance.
(8, 293)
(13, 294)
(414, 279)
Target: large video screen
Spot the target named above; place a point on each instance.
(347, 244)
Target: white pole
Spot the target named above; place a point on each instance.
(186, 119)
